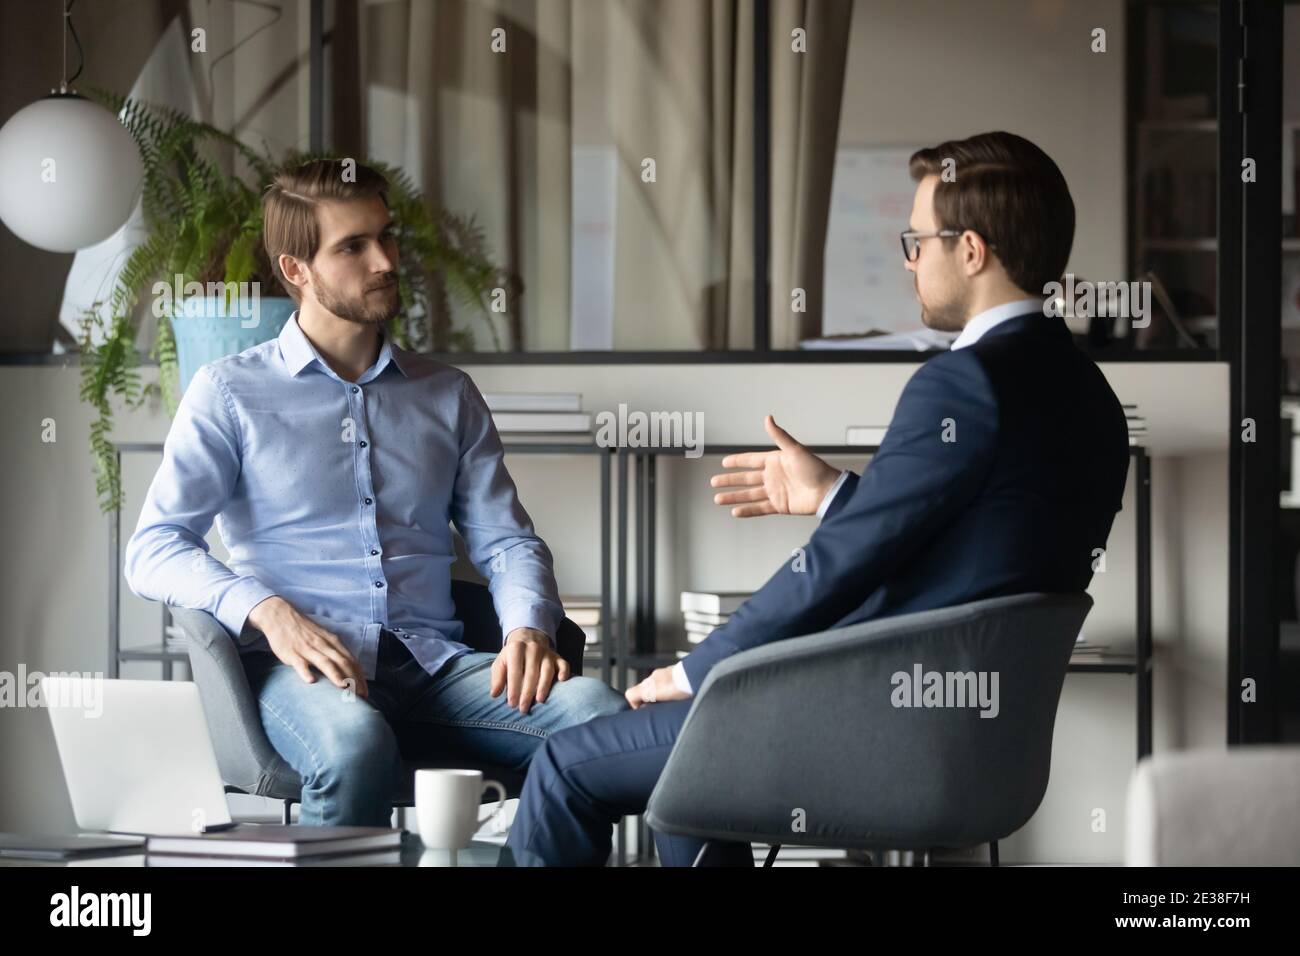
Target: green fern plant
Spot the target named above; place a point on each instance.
(204, 225)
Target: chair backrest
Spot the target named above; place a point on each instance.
(1215, 807)
(475, 609)
(921, 730)
(244, 754)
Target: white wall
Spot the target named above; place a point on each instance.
(924, 71)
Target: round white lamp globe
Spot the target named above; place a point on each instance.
(69, 173)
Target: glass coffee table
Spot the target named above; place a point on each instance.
(412, 853)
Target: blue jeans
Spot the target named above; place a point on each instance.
(349, 749)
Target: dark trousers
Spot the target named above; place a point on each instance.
(585, 778)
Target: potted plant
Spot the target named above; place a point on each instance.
(204, 225)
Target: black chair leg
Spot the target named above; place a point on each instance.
(287, 819)
(771, 854)
(925, 858)
(699, 857)
(993, 853)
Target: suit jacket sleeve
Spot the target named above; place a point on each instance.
(934, 459)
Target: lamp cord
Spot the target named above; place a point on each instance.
(81, 54)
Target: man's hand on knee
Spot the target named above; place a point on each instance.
(658, 687)
(526, 668)
(303, 644)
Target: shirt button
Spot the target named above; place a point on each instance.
(355, 389)
(373, 551)
(379, 584)
(368, 501)
(363, 444)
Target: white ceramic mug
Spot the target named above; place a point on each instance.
(447, 804)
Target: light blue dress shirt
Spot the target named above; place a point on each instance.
(336, 496)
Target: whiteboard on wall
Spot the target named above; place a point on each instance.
(867, 286)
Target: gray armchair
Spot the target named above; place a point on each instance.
(804, 741)
(1215, 807)
(248, 762)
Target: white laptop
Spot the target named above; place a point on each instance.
(136, 755)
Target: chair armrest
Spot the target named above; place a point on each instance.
(244, 754)
(805, 740)
(1232, 807)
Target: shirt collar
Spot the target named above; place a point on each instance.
(979, 324)
(298, 352)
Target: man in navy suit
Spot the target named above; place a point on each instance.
(1000, 473)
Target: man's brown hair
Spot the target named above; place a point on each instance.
(1009, 191)
(289, 223)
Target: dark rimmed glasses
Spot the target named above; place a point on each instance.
(911, 240)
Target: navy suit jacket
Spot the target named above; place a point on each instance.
(1001, 473)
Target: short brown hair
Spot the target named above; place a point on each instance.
(289, 224)
(1010, 192)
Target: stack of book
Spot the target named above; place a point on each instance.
(585, 612)
(554, 414)
(268, 844)
(1088, 650)
(865, 434)
(1137, 425)
(705, 610)
(174, 639)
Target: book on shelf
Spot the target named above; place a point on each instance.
(543, 422)
(583, 616)
(919, 340)
(584, 611)
(1084, 646)
(278, 841)
(533, 401)
(373, 858)
(700, 617)
(713, 602)
(698, 632)
(548, 438)
(864, 434)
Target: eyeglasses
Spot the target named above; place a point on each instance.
(911, 240)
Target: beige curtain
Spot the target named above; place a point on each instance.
(483, 133)
(806, 92)
(680, 93)
(662, 90)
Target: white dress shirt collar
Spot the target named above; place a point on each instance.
(977, 325)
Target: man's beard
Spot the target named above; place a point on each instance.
(367, 309)
(948, 315)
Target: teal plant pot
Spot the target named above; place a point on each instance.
(204, 332)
